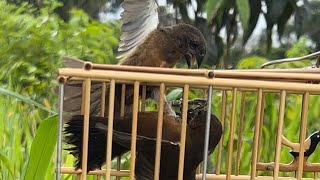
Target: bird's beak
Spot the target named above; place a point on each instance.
(191, 59)
(199, 60)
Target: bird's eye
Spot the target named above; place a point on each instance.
(194, 44)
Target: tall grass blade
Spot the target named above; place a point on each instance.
(42, 149)
(26, 100)
(7, 164)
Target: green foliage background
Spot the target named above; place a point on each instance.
(32, 44)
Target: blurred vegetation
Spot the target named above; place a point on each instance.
(34, 37)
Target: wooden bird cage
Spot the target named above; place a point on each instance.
(252, 146)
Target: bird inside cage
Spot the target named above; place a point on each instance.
(146, 141)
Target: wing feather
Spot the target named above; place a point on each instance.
(139, 18)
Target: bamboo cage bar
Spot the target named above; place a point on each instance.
(110, 128)
(293, 74)
(256, 137)
(158, 70)
(223, 116)
(194, 72)
(123, 99)
(122, 104)
(303, 129)
(134, 128)
(217, 82)
(103, 99)
(279, 134)
(227, 88)
(238, 74)
(231, 135)
(266, 75)
(159, 132)
(241, 124)
(261, 124)
(83, 96)
(183, 131)
(143, 98)
(85, 128)
(103, 107)
(122, 173)
(246, 177)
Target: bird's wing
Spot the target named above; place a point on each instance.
(139, 18)
(73, 92)
(143, 142)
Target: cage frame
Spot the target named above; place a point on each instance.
(282, 81)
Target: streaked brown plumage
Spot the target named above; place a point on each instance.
(163, 47)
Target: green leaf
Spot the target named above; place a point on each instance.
(6, 163)
(282, 21)
(174, 94)
(254, 16)
(244, 12)
(212, 7)
(251, 62)
(25, 99)
(42, 149)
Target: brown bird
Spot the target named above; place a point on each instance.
(146, 142)
(143, 43)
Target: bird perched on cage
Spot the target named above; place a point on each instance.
(143, 43)
(146, 142)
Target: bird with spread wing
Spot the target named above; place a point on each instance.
(143, 43)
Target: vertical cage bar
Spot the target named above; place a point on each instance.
(256, 136)
(59, 146)
(122, 107)
(134, 128)
(86, 128)
(231, 135)
(103, 107)
(223, 116)
(303, 129)
(103, 99)
(143, 98)
(206, 139)
(82, 109)
(159, 132)
(261, 124)
(110, 128)
(279, 133)
(240, 133)
(183, 131)
(123, 99)
(83, 95)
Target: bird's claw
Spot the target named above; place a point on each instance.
(195, 107)
(193, 102)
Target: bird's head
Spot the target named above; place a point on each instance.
(190, 42)
(315, 137)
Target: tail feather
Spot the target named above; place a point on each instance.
(96, 144)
